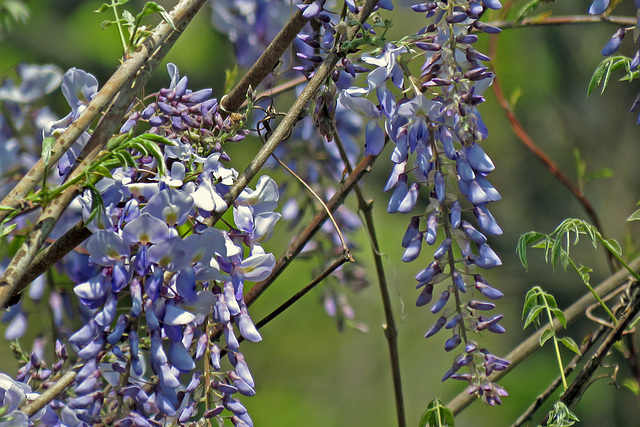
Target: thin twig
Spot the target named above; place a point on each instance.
(531, 344)
(390, 329)
(266, 62)
(346, 257)
(107, 126)
(566, 20)
(571, 366)
(52, 254)
(47, 396)
(345, 249)
(316, 223)
(581, 382)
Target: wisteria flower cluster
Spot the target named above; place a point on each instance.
(164, 236)
(163, 282)
(441, 128)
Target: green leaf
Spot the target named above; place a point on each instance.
(560, 316)
(231, 76)
(634, 216)
(526, 10)
(597, 174)
(597, 76)
(551, 301)
(524, 241)
(632, 385)
(47, 148)
(437, 415)
(156, 152)
(106, 24)
(157, 138)
(6, 230)
(125, 158)
(561, 416)
(585, 274)
(571, 345)
(546, 335)
(530, 300)
(128, 18)
(115, 142)
(613, 246)
(556, 249)
(137, 144)
(533, 315)
(103, 8)
(153, 7)
(102, 171)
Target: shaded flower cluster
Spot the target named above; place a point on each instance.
(23, 118)
(313, 153)
(440, 128)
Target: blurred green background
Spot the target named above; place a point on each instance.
(308, 373)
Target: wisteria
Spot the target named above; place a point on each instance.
(173, 279)
(129, 221)
(439, 126)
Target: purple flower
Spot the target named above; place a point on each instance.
(614, 43)
(107, 248)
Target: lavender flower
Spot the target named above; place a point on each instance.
(440, 128)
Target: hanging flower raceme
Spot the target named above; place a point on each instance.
(437, 153)
(163, 282)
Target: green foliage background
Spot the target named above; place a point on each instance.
(308, 373)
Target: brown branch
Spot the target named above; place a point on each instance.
(266, 62)
(581, 382)
(52, 254)
(107, 126)
(548, 163)
(346, 257)
(566, 20)
(390, 330)
(316, 223)
(590, 342)
(284, 128)
(61, 385)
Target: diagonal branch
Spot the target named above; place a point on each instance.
(346, 257)
(592, 340)
(266, 62)
(566, 20)
(548, 163)
(390, 329)
(159, 42)
(581, 382)
(316, 223)
(283, 131)
(107, 126)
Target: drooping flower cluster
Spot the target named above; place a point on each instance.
(164, 285)
(436, 132)
(310, 150)
(315, 157)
